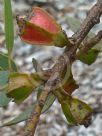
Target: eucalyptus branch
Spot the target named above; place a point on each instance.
(92, 19)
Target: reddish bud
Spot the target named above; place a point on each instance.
(41, 28)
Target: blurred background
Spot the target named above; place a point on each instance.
(53, 122)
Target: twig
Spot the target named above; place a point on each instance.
(33, 120)
(89, 44)
(92, 19)
(52, 81)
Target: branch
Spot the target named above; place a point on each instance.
(52, 81)
(33, 120)
(89, 44)
(92, 19)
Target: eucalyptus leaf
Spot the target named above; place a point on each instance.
(76, 112)
(73, 23)
(49, 101)
(26, 114)
(4, 100)
(9, 28)
(3, 79)
(36, 65)
(4, 63)
(21, 117)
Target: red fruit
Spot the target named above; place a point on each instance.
(40, 28)
(42, 19)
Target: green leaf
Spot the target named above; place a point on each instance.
(4, 63)
(61, 39)
(49, 101)
(9, 28)
(36, 65)
(66, 110)
(26, 114)
(75, 25)
(3, 79)
(1, 69)
(76, 111)
(90, 57)
(22, 117)
(4, 100)
(81, 112)
(20, 87)
(98, 46)
(39, 90)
